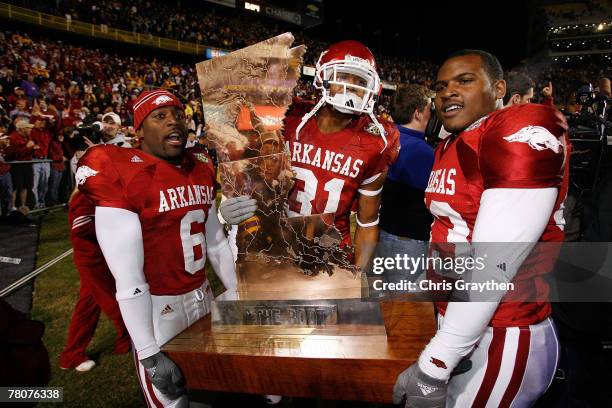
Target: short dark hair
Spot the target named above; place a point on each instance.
(489, 61)
(517, 83)
(408, 99)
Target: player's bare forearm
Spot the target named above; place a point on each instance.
(366, 233)
(365, 243)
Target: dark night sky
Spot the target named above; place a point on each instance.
(433, 29)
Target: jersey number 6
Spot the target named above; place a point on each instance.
(189, 241)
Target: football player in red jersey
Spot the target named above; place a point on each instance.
(501, 177)
(97, 290)
(156, 224)
(339, 149)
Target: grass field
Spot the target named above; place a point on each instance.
(112, 383)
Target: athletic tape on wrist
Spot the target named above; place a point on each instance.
(367, 224)
(369, 193)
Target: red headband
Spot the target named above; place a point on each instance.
(148, 101)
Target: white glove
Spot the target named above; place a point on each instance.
(237, 209)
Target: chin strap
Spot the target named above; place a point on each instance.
(381, 129)
(307, 117)
(318, 106)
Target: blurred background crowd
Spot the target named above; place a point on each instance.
(50, 87)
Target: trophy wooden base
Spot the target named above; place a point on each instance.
(337, 362)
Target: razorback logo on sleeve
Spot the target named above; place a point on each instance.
(438, 363)
(83, 173)
(538, 138)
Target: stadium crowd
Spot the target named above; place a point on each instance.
(205, 26)
(52, 86)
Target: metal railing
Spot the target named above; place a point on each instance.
(99, 30)
(25, 279)
(29, 161)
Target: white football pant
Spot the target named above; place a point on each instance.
(172, 315)
(511, 367)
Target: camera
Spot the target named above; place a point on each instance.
(82, 130)
(588, 131)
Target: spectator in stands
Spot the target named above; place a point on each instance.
(30, 88)
(6, 185)
(191, 138)
(21, 149)
(21, 109)
(72, 115)
(58, 167)
(111, 132)
(49, 112)
(59, 98)
(547, 93)
(41, 136)
(404, 219)
(18, 94)
(519, 89)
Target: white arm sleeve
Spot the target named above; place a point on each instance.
(120, 237)
(219, 251)
(505, 215)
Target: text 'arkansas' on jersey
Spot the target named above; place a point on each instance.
(442, 181)
(173, 198)
(324, 159)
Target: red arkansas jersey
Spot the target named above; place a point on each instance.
(524, 146)
(171, 201)
(87, 252)
(330, 168)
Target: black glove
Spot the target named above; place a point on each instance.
(165, 375)
(418, 389)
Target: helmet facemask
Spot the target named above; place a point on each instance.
(347, 100)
